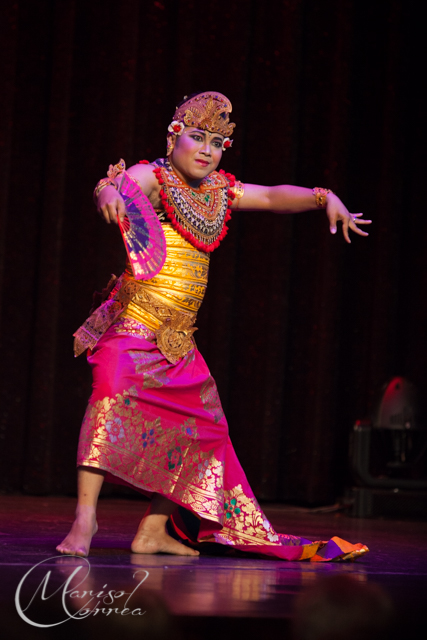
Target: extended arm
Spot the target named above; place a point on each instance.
(290, 199)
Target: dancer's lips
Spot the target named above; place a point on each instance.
(203, 163)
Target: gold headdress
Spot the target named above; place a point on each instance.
(209, 111)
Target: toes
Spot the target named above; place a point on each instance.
(81, 553)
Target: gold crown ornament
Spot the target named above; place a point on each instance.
(208, 111)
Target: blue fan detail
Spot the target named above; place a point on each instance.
(141, 231)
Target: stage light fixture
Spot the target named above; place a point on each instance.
(388, 456)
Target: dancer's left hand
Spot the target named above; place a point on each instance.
(337, 211)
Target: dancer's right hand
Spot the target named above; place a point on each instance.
(110, 205)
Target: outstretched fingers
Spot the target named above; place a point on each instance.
(345, 226)
(355, 220)
(350, 222)
(358, 220)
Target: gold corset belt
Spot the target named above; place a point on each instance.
(180, 285)
(167, 304)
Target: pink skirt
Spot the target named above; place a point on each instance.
(160, 428)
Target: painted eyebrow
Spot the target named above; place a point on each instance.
(204, 133)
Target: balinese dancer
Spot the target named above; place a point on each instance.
(154, 420)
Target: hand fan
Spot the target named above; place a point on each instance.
(141, 231)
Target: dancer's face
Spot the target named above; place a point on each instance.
(196, 154)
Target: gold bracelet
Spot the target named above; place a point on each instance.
(104, 182)
(320, 196)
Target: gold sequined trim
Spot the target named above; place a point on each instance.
(174, 337)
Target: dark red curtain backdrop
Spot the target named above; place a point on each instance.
(299, 329)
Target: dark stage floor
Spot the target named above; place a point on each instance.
(205, 596)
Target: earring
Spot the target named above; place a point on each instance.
(170, 143)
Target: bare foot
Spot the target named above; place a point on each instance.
(77, 543)
(159, 542)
